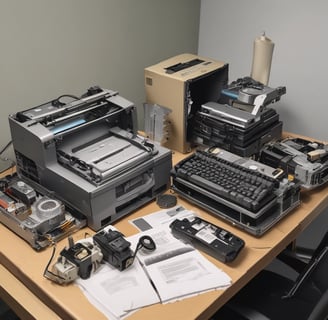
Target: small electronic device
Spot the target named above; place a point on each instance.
(214, 240)
(303, 159)
(35, 215)
(250, 92)
(78, 260)
(115, 248)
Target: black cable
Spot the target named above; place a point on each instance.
(49, 274)
(6, 159)
(69, 96)
(57, 103)
(5, 147)
(144, 242)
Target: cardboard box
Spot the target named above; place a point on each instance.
(183, 83)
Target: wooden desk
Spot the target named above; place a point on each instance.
(21, 280)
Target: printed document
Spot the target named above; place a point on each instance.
(177, 269)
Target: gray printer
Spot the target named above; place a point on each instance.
(86, 151)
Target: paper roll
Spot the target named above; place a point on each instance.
(262, 58)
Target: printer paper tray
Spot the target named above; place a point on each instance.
(103, 160)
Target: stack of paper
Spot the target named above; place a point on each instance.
(175, 270)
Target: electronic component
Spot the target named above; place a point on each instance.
(12, 207)
(249, 91)
(302, 159)
(23, 191)
(214, 240)
(78, 260)
(46, 215)
(115, 248)
(36, 216)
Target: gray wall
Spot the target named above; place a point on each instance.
(299, 30)
(53, 47)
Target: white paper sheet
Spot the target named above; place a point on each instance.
(178, 270)
(120, 291)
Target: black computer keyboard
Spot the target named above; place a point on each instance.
(242, 186)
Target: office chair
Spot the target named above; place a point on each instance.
(273, 296)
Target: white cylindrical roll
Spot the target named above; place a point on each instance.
(262, 58)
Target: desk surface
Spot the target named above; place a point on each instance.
(24, 267)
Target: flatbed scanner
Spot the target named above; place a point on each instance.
(86, 151)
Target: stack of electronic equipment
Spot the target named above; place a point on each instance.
(244, 172)
(241, 121)
(85, 152)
